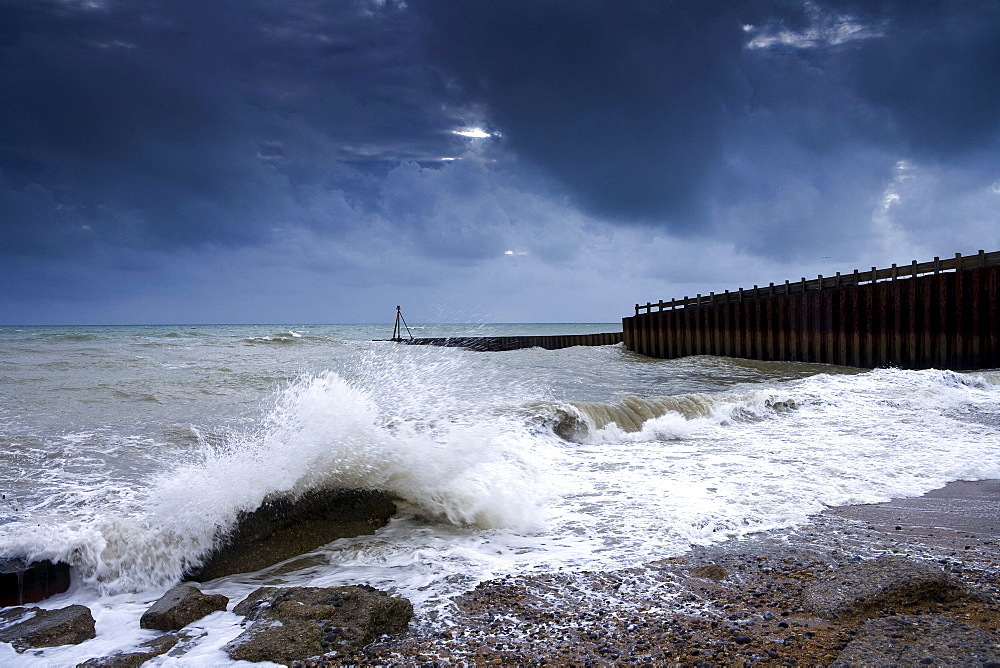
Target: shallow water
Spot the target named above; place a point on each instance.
(127, 450)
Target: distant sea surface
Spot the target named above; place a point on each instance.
(125, 451)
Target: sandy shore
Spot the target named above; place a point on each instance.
(753, 602)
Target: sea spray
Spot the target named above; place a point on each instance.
(322, 432)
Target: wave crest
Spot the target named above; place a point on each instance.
(666, 417)
(321, 432)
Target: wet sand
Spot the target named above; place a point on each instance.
(749, 602)
(948, 518)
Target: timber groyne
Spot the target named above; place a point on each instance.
(938, 314)
(498, 343)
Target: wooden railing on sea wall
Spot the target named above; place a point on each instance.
(498, 343)
(939, 314)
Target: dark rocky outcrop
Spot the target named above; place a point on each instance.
(23, 582)
(299, 622)
(937, 640)
(866, 586)
(147, 650)
(26, 628)
(286, 527)
(179, 607)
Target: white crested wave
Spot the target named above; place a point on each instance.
(322, 432)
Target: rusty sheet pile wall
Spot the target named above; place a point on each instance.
(940, 314)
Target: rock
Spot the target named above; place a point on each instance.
(937, 640)
(299, 622)
(285, 527)
(26, 628)
(22, 582)
(155, 647)
(710, 572)
(864, 587)
(179, 607)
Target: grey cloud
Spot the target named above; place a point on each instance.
(184, 123)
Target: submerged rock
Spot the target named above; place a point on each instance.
(23, 582)
(865, 587)
(710, 572)
(299, 622)
(27, 628)
(148, 650)
(283, 528)
(179, 607)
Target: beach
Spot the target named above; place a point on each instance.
(742, 603)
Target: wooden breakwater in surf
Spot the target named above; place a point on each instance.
(938, 314)
(498, 343)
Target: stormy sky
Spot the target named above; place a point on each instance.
(297, 161)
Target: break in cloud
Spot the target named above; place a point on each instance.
(305, 161)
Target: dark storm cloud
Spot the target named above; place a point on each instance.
(182, 123)
(621, 101)
(934, 73)
(637, 106)
(160, 124)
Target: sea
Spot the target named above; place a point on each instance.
(127, 451)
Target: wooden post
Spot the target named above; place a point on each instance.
(959, 353)
(829, 340)
(927, 303)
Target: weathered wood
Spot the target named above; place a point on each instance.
(934, 314)
(501, 343)
(982, 259)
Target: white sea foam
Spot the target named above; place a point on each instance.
(769, 457)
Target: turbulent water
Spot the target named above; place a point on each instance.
(125, 451)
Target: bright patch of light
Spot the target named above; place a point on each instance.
(515, 252)
(996, 187)
(826, 30)
(115, 44)
(472, 133)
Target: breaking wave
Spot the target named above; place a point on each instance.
(321, 432)
(673, 416)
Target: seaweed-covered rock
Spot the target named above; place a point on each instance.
(865, 587)
(179, 607)
(937, 640)
(299, 622)
(147, 650)
(710, 572)
(286, 527)
(27, 628)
